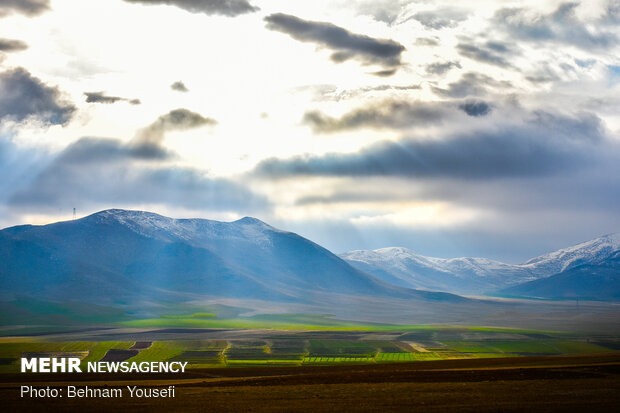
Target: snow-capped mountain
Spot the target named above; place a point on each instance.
(590, 252)
(132, 256)
(403, 267)
(599, 281)
(195, 231)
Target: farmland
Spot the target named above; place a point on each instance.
(569, 383)
(236, 348)
(314, 368)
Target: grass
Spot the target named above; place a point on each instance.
(240, 323)
(267, 362)
(339, 348)
(191, 316)
(11, 352)
(338, 360)
(160, 351)
(98, 349)
(386, 357)
(576, 347)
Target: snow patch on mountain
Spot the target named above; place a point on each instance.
(192, 230)
(475, 275)
(590, 252)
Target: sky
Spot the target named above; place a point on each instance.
(481, 128)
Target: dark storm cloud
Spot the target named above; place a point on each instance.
(471, 84)
(561, 26)
(440, 19)
(23, 96)
(95, 171)
(544, 145)
(175, 120)
(439, 68)
(11, 45)
(387, 114)
(101, 97)
(28, 7)
(228, 8)
(179, 86)
(475, 108)
(494, 53)
(344, 44)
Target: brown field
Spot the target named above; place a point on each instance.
(534, 384)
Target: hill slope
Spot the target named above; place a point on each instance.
(586, 281)
(129, 257)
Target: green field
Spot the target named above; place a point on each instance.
(324, 342)
(10, 352)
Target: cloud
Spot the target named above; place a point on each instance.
(96, 172)
(612, 13)
(426, 41)
(440, 19)
(344, 44)
(492, 52)
(560, 26)
(384, 73)
(175, 120)
(386, 11)
(475, 108)
(230, 8)
(471, 84)
(179, 86)
(439, 68)
(101, 97)
(23, 96)
(29, 8)
(11, 45)
(387, 114)
(92, 150)
(333, 93)
(543, 145)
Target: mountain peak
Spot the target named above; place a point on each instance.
(146, 216)
(125, 213)
(249, 220)
(135, 255)
(591, 251)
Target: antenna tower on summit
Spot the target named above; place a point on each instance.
(73, 213)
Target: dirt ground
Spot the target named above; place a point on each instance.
(533, 384)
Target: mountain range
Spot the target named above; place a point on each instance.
(124, 257)
(132, 260)
(582, 264)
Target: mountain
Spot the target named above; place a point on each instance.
(599, 282)
(405, 268)
(133, 257)
(595, 251)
